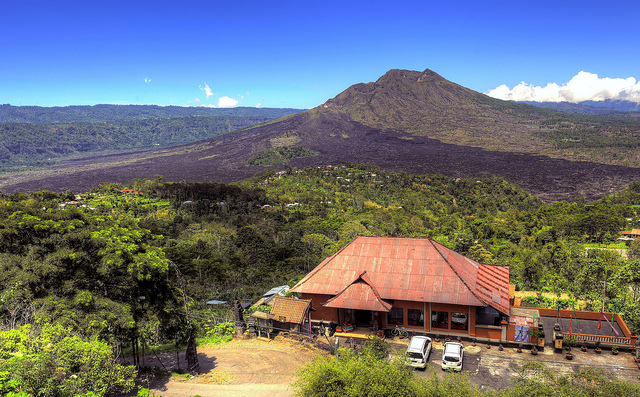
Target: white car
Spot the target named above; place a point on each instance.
(459, 318)
(452, 356)
(418, 352)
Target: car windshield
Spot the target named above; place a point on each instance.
(452, 350)
(415, 355)
(451, 359)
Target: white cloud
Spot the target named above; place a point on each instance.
(147, 80)
(226, 102)
(584, 86)
(259, 105)
(207, 91)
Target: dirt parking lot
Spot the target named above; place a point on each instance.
(261, 367)
(239, 368)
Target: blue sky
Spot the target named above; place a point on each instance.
(301, 53)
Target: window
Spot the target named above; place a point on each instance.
(415, 317)
(460, 321)
(439, 319)
(395, 316)
(487, 316)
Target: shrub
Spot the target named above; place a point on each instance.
(219, 333)
(356, 374)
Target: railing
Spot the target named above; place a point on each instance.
(603, 339)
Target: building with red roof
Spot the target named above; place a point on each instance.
(414, 283)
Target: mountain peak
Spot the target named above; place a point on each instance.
(399, 92)
(410, 75)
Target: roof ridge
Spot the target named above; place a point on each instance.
(372, 285)
(473, 292)
(321, 265)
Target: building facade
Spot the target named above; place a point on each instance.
(415, 283)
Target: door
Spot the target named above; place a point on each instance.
(363, 318)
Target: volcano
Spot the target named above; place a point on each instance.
(417, 122)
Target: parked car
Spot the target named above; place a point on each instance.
(459, 321)
(459, 318)
(452, 356)
(418, 352)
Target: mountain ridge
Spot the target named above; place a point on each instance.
(409, 121)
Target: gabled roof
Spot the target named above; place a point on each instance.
(361, 294)
(411, 269)
(289, 310)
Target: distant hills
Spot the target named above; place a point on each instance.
(410, 121)
(607, 107)
(111, 113)
(32, 136)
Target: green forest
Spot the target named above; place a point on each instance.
(279, 156)
(107, 270)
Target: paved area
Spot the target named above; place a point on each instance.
(494, 369)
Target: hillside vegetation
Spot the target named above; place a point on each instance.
(279, 156)
(112, 270)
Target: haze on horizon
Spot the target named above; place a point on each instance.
(298, 55)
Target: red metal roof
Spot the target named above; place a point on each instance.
(361, 295)
(411, 269)
(290, 310)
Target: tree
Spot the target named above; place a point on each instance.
(479, 254)
(52, 361)
(634, 249)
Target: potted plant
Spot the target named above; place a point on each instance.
(534, 350)
(499, 347)
(459, 340)
(437, 338)
(569, 355)
(534, 332)
(519, 348)
(473, 341)
(598, 350)
(614, 350)
(488, 345)
(583, 348)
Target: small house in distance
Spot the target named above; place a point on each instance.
(414, 283)
(630, 235)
